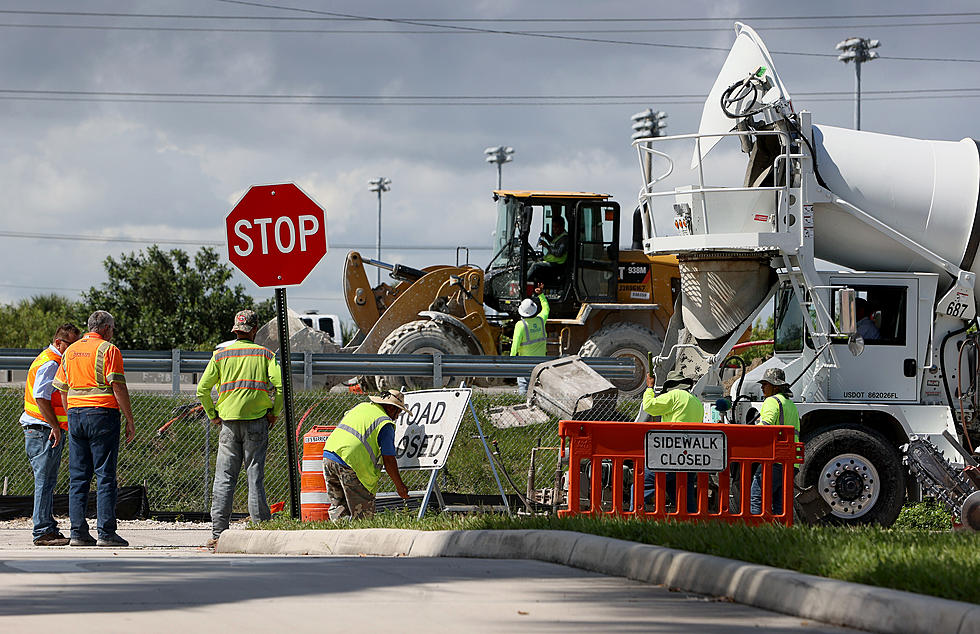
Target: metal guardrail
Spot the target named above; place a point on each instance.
(309, 364)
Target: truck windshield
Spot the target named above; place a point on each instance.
(505, 236)
(788, 336)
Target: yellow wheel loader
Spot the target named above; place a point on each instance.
(605, 301)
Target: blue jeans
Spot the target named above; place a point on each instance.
(522, 383)
(755, 501)
(240, 442)
(45, 461)
(650, 488)
(94, 449)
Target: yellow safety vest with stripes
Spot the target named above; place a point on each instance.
(249, 382)
(530, 335)
(355, 440)
(30, 404)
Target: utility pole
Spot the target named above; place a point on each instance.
(380, 185)
(857, 50)
(499, 155)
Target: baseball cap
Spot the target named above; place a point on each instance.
(245, 321)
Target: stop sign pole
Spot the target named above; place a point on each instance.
(276, 236)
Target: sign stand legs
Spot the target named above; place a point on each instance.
(493, 468)
(287, 394)
(432, 487)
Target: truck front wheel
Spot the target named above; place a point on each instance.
(858, 473)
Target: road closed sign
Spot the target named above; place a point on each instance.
(425, 433)
(686, 450)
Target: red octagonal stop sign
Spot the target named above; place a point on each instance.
(276, 235)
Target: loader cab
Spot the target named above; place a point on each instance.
(589, 270)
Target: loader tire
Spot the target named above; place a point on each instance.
(857, 472)
(625, 339)
(420, 337)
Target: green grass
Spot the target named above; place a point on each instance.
(942, 564)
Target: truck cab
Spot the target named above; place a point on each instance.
(894, 318)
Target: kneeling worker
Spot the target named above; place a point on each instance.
(351, 455)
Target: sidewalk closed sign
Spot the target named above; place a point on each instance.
(686, 450)
(425, 433)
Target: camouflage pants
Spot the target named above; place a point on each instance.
(347, 496)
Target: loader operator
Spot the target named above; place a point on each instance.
(675, 404)
(777, 409)
(530, 338)
(250, 399)
(364, 437)
(555, 256)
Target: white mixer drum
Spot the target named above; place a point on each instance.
(926, 190)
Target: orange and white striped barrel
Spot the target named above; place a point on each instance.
(313, 490)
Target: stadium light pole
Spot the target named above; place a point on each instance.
(499, 155)
(379, 185)
(647, 124)
(857, 50)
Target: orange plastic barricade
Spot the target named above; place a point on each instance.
(313, 501)
(600, 481)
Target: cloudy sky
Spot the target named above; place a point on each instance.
(145, 121)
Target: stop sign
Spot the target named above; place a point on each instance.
(276, 235)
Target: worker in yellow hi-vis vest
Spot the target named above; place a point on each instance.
(530, 338)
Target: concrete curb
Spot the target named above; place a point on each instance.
(806, 596)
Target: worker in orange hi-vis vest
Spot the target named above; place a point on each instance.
(91, 374)
(43, 420)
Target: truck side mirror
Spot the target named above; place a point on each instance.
(848, 321)
(848, 311)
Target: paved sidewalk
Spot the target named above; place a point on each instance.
(16, 534)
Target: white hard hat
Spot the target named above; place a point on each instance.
(527, 308)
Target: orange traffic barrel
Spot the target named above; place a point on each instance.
(313, 500)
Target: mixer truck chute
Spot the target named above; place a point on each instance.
(872, 348)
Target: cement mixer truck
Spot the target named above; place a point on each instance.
(867, 243)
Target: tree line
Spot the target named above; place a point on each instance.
(161, 299)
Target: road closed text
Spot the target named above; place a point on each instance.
(425, 432)
(686, 451)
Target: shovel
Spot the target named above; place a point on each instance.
(812, 507)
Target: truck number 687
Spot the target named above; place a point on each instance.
(956, 309)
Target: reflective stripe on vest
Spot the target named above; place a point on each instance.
(30, 404)
(527, 333)
(380, 420)
(782, 417)
(245, 384)
(102, 386)
(257, 351)
(355, 441)
(534, 343)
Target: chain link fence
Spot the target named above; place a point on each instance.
(174, 452)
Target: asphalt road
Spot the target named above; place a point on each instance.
(170, 586)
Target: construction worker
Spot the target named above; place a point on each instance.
(91, 372)
(675, 404)
(529, 334)
(43, 420)
(555, 247)
(350, 456)
(249, 402)
(777, 409)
